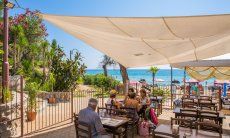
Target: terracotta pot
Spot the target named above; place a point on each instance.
(51, 100)
(31, 115)
(66, 97)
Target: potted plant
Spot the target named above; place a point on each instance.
(48, 86)
(31, 109)
(51, 99)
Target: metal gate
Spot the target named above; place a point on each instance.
(53, 109)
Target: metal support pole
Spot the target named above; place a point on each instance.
(184, 79)
(220, 100)
(21, 104)
(103, 97)
(171, 73)
(72, 115)
(5, 66)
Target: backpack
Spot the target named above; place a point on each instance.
(143, 128)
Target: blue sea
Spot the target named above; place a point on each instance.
(137, 74)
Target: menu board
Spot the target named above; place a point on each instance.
(111, 121)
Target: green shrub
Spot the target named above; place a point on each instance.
(101, 81)
(49, 83)
(160, 92)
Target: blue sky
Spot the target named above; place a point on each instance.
(117, 8)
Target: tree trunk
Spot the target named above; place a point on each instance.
(44, 67)
(15, 56)
(18, 56)
(124, 75)
(105, 70)
(153, 80)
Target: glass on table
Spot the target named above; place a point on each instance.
(102, 113)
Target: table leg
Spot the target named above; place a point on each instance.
(176, 115)
(158, 108)
(161, 106)
(126, 127)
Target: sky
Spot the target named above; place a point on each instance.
(116, 8)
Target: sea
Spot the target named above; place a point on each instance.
(137, 74)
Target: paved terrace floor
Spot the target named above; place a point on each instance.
(68, 131)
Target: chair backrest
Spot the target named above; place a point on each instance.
(205, 97)
(83, 130)
(188, 113)
(110, 109)
(207, 126)
(211, 115)
(130, 112)
(182, 122)
(188, 103)
(163, 135)
(205, 101)
(207, 104)
(101, 109)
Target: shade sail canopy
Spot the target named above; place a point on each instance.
(203, 63)
(135, 42)
(206, 69)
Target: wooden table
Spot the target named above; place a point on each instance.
(121, 122)
(182, 131)
(176, 111)
(159, 100)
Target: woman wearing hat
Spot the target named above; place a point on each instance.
(112, 99)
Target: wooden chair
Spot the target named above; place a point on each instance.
(205, 98)
(189, 114)
(189, 103)
(110, 109)
(210, 115)
(164, 135)
(83, 130)
(207, 126)
(182, 122)
(131, 113)
(207, 104)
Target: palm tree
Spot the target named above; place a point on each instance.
(44, 46)
(153, 70)
(107, 61)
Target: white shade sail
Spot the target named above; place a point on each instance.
(206, 69)
(136, 42)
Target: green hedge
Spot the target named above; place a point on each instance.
(101, 81)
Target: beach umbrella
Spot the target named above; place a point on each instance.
(192, 81)
(134, 82)
(159, 80)
(175, 81)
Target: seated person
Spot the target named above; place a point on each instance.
(131, 90)
(89, 116)
(112, 100)
(144, 101)
(131, 102)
